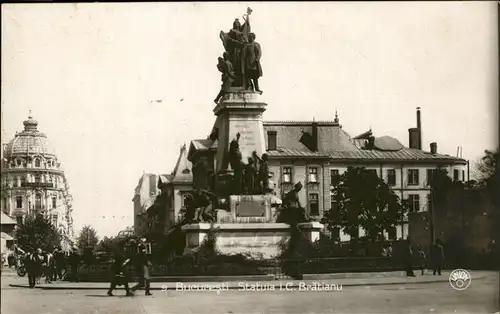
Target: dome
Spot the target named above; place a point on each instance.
(29, 142)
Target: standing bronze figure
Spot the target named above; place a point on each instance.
(235, 160)
(227, 75)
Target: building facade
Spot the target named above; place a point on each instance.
(313, 152)
(158, 212)
(33, 181)
(145, 195)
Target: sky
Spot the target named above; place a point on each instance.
(119, 87)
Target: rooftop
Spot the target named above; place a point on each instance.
(30, 141)
(334, 143)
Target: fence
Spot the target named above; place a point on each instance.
(279, 268)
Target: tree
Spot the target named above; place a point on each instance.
(108, 244)
(87, 238)
(38, 232)
(487, 167)
(487, 175)
(364, 200)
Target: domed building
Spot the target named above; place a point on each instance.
(33, 180)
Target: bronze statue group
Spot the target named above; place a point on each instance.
(251, 178)
(248, 179)
(240, 63)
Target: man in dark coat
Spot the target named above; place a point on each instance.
(437, 257)
(142, 268)
(118, 274)
(32, 264)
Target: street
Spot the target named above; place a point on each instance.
(438, 297)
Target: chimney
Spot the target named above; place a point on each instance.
(434, 148)
(314, 144)
(413, 137)
(271, 140)
(419, 127)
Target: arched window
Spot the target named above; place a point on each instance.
(37, 162)
(38, 178)
(19, 162)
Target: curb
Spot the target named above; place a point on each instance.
(276, 285)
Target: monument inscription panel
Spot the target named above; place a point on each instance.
(250, 205)
(249, 137)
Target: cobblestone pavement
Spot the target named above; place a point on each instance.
(439, 297)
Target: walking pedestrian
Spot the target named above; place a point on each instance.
(142, 268)
(437, 257)
(119, 275)
(33, 264)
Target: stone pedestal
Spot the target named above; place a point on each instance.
(258, 239)
(239, 112)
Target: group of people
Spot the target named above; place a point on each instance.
(435, 261)
(46, 264)
(120, 275)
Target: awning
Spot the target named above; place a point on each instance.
(6, 220)
(5, 236)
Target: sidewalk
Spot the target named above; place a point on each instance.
(373, 280)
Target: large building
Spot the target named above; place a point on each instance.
(159, 199)
(33, 181)
(145, 195)
(313, 152)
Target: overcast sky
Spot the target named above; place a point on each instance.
(92, 75)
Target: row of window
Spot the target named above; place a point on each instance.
(37, 163)
(37, 179)
(413, 203)
(412, 175)
(38, 202)
(20, 220)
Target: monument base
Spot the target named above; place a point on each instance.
(257, 239)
